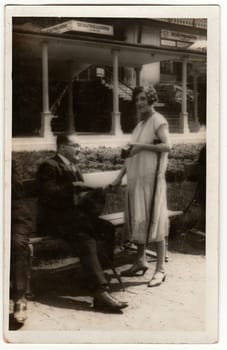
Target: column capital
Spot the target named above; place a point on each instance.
(138, 68)
(44, 43)
(185, 58)
(115, 50)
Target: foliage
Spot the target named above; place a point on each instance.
(107, 158)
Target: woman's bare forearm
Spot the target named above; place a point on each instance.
(158, 148)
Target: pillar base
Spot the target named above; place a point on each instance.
(116, 124)
(184, 128)
(46, 118)
(197, 124)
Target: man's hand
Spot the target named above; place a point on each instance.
(79, 184)
(116, 183)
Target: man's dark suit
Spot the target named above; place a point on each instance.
(21, 226)
(59, 216)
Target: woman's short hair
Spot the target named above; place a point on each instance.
(149, 91)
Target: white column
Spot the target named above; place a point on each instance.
(195, 90)
(116, 115)
(138, 71)
(45, 78)
(184, 113)
(70, 127)
(46, 115)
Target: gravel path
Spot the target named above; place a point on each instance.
(178, 305)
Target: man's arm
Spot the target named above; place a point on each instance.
(49, 185)
(119, 177)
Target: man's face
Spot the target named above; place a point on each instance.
(71, 150)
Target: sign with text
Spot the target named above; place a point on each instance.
(178, 39)
(80, 26)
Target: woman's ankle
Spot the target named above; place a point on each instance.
(160, 268)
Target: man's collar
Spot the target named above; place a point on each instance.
(64, 159)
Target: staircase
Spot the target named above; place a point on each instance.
(93, 103)
(170, 96)
(124, 92)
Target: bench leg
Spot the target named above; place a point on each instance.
(118, 277)
(115, 273)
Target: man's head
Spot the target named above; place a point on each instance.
(68, 146)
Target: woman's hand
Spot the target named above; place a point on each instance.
(135, 149)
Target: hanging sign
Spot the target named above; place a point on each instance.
(80, 26)
(178, 39)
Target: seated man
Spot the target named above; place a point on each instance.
(63, 214)
(21, 224)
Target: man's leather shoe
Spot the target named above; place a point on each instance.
(123, 303)
(104, 301)
(20, 310)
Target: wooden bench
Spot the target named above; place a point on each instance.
(97, 179)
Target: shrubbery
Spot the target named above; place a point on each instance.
(106, 158)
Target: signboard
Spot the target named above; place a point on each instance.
(178, 39)
(182, 44)
(80, 26)
(168, 42)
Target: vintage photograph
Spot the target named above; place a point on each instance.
(111, 208)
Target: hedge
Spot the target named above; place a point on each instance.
(106, 158)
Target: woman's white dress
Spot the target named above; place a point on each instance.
(141, 217)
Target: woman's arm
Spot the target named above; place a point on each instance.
(119, 177)
(163, 146)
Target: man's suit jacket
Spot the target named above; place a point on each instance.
(21, 216)
(55, 194)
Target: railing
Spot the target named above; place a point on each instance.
(109, 71)
(58, 100)
(125, 91)
(189, 22)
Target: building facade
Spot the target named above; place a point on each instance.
(77, 75)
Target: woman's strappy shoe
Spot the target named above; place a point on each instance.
(134, 270)
(157, 279)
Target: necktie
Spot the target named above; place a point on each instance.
(73, 170)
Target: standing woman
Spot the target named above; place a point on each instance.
(145, 166)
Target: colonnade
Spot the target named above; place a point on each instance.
(116, 124)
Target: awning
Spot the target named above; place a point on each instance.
(200, 44)
(97, 51)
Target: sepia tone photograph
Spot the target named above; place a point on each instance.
(111, 160)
